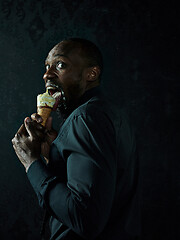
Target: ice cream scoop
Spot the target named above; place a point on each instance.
(45, 104)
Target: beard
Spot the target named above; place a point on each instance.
(69, 103)
(64, 109)
(61, 110)
(70, 99)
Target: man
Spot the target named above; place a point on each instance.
(89, 187)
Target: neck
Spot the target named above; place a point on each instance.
(92, 85)
(65, 112)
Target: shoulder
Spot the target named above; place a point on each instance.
(95, 111)
(100, 109)
(95, 106)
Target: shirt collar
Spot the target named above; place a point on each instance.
(89, 94)
(84, 98)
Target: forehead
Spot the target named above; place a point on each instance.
(67, 50)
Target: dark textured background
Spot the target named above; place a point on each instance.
(139, 41)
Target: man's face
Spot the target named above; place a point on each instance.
(65, 73)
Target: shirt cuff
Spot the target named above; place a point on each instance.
(37, 174)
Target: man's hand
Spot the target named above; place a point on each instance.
(50, 135)
(27, 142)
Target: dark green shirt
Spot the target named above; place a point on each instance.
(90, 186)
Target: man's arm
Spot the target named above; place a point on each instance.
(84, 202)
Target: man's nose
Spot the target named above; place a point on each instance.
(49, 74)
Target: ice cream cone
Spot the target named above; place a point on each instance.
(44, 112)
(45, 103)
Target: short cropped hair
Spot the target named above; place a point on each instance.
(89, 51)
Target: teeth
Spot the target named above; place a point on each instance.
(56, 94)
(51, 86)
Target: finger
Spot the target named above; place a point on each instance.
(22, 130)
(38, 126)
(34, 129)
(19, 151)
(15, 149)
(15, 140)
(49, 123)
(34, 123)
(36, 117)
(17, 136)
(29, 128)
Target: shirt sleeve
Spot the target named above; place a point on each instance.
(84, 202)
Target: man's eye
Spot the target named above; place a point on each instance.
(47, 67)
(60, 65)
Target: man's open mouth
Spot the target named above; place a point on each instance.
(56, 92)
(53, 89)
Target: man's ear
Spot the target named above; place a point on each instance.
(93, 73)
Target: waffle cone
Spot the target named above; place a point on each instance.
(44, 112)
